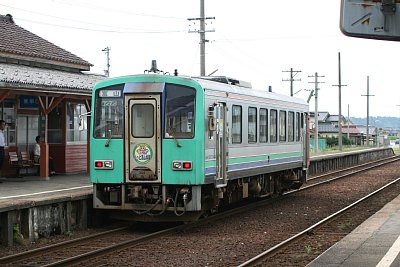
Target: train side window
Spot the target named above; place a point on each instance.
(273, 126)
(282, 126)
(298, 126)
(291, 125)
(252, 125)
(263, 125)
(236, 124)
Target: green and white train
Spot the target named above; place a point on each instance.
(175, 148)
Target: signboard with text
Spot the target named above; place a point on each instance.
(373, 19)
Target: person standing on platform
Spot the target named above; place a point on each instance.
(2, 143)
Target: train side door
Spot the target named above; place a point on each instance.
(221, 148)
(305, 118)
(143, 138)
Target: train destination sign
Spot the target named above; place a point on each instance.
(109, 93)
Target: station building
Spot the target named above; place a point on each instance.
(44, 90)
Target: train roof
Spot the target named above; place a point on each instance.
(214, 83)
(243, 89)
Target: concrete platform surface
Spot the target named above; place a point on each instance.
(376, 242)
(32, 188)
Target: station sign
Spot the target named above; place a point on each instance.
(373, 19)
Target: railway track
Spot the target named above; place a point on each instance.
(40, 256)
(73, 250)
(261, 258)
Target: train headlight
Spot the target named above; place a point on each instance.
(182, 165)
(104, 164)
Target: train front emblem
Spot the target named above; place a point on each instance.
(142, 153)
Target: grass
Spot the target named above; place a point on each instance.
(336, 150)
(332, 150)
(311, 250)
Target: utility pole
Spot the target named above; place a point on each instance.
(339, 85)
(291, 78)
(368, 95)
(398, 106)
(348, 122)
(107, 51)
(316, 82)
(202, 33)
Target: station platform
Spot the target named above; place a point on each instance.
(39, 206)
(31, 188)
(376, 242)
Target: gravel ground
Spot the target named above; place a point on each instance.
(234, 240)
(307, 249)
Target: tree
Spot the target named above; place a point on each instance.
(332, 141)
(346, 141)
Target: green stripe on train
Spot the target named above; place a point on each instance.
(239, 160)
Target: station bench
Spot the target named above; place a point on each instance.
(23, 162)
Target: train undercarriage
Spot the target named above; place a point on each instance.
(150, 202)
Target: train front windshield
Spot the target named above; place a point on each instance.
(179, 111)
(108, 120)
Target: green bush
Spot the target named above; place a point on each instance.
(334, 141)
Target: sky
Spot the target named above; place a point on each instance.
(255, 41)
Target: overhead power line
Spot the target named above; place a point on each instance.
(99, 27)
(107, 9)
(101, 30)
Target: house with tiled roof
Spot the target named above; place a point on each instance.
(44, 91)
(328, 126)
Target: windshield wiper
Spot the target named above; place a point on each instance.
(175, 140)
(107, 144)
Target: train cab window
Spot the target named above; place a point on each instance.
(263, 125)
(236, 124)
(298, 126)
(179, 111)
(273, 134)
(108, 111)
(291, 127)
(252, 125)
(282, 126)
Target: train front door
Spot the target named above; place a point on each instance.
(221, 148)
(143, 138)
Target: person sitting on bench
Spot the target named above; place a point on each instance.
(36, 156)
